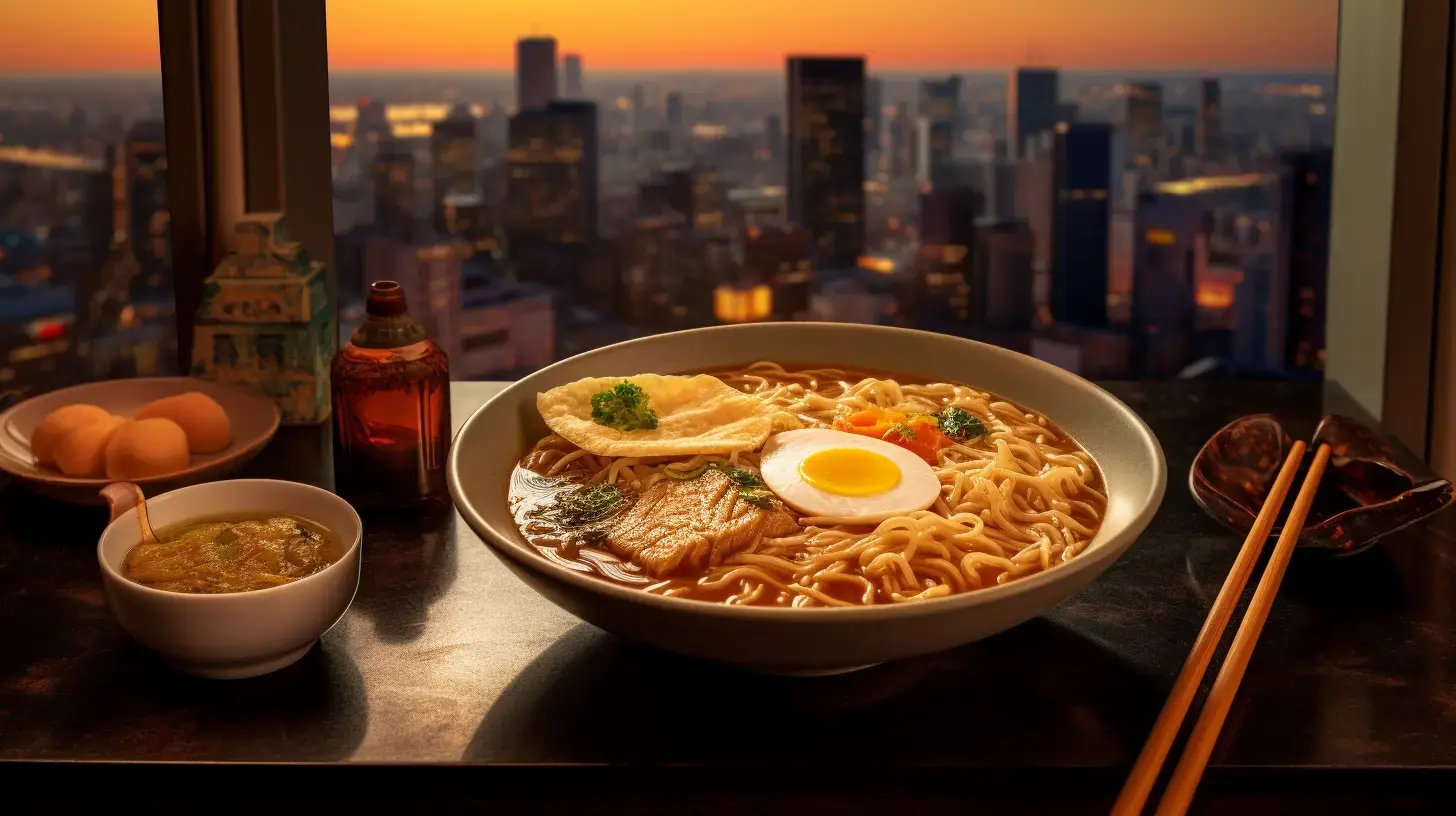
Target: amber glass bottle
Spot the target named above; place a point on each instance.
(391, 388)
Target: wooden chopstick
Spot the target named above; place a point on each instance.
(1150, 760)
(1221, 697)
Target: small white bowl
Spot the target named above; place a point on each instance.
(240, 634)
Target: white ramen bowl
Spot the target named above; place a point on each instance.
(813, 640)
(238, 634)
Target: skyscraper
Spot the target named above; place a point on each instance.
(1002, 280)
(943, 266)
(394, 189)
(940, 127)
(452, 160)
(571, 70)
(1144, 116)
(1081, 175)
(1031, 106)
(1170, 251)
(552, 193)
(773, 136)
(1208, 138)
(145, 156)
(535, 72)
(826, 154)
(674, 110)
(639, 107)
(1304, 251)
(873, 125)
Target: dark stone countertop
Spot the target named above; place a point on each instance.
(446, 658)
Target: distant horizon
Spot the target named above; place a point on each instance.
(655, 35)
(1131, 72)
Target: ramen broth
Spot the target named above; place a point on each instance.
(1019, 500)
(238, 552)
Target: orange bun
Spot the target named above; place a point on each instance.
(57, 424)
(146, 448)
(82, 451)
(205, 422)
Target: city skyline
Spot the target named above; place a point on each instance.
(651, 35)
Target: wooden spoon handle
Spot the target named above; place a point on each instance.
(123, 496)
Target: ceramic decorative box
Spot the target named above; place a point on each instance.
(265, 321)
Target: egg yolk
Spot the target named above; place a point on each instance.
(849, 472)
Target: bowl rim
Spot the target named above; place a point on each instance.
(226, 455)
(222, 597)
(1109, 550)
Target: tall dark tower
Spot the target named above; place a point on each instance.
(552, 196)
(1144, 115)
(1081, 213)
(1304, 251)
(826, 154)
(571, 71)
(1208, 133)
(535, 72)
(394, 189)
(144, 154)
(1031, 106)
(452, 160)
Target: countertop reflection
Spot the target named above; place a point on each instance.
(447, 657)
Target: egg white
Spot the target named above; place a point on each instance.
(779, 464)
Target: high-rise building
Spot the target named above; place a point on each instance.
(535, 72)
(674, 110)
(1031, 106)
(902, 135)
(873, 125)
(144, 154)
(394, 189)
(1304, 251)
(773, 136)
(639, 107)
(1082, 174)
(943, 264)
(1208, 139)
(453, 165)
(1169, 257)
(939, 128)
(1002, 279)
(1036, 198)
(826, 154)
(371, 125)
(571, 75)
(1144, 116)
(552, 193)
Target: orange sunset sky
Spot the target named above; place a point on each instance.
(79, 36)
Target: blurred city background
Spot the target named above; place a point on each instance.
(1128, 189)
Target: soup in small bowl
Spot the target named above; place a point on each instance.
(248, 575)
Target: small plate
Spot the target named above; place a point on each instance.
(1366, 494)
(254, 419)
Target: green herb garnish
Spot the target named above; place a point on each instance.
(904, 430)
(960, 425)
(756, 496)
(587, 505)
(737, 475)
(625, 407)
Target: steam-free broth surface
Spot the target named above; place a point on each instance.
(1005, 493)
(233, 553)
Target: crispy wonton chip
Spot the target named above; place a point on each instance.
(699, 414)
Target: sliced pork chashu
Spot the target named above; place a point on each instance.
(693, 525)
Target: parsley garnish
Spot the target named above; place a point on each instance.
(960, 425)
(625, 408)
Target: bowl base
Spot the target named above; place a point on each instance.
(784, 672)
(242, 670)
